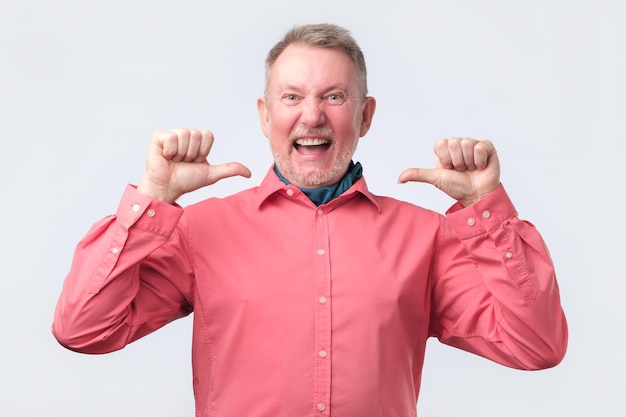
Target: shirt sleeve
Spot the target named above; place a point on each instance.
(125, 280)
(495, 292)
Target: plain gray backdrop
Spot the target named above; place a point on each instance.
(84, 84)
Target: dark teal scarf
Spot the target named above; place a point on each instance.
(323, 195)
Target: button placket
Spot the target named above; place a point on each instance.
(323, 316)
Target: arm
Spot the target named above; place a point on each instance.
(494, 288)
(131, 273)
(116, 290)
(496, 293)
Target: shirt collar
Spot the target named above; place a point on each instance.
(322, 195)
(272, 185)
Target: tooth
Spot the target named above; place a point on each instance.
(310, 142)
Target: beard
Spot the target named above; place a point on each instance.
(313, 175)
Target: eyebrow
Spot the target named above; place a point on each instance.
(333, 87)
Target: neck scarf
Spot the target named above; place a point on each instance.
(323, 195)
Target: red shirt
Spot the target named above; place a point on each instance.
(315, 311)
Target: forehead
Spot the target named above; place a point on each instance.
(312, 68)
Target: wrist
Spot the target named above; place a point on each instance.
(156, 191)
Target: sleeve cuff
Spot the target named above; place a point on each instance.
(136, 209)
(483, 216)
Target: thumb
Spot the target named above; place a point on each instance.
(226, 170)
(418, 175)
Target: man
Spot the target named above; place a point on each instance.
(312, 296)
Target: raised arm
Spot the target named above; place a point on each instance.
(495, 294)
(131, 273)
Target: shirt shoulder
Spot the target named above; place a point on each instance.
(392, 204)
(241, 200)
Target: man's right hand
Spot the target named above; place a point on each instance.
(177, 164)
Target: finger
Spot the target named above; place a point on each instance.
(167, 142)
(229, 169)
(443, 154)
(468, 147)
(193, 146)
(456, 154)
(482, 152)
(182, 136)
(206, 143)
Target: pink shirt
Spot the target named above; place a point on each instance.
(315, 311)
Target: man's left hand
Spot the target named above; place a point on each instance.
(467, 169)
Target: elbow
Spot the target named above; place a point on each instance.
(559, 345)
(535, 359)
(70, 340)
(547, 361)
(81, 330)
(553, 351)
(81, 342)
(558, 353)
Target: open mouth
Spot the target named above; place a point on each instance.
(311, 145)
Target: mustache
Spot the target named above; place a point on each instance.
(312, 131)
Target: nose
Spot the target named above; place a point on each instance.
(312, 113)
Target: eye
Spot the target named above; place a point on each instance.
(290, 99)
(334, 99)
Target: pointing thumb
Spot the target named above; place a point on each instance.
(417, 175)
(229, 169)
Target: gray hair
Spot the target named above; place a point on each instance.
(323, 35)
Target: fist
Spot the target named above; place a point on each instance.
(177, 164)
(467, 169)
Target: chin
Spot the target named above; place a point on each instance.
(317, 179)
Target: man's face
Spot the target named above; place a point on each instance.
(314, 114)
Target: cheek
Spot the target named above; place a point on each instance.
(346, 126)
(281, 120)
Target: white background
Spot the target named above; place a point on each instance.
(84, 84)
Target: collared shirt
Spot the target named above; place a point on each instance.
(301, 310)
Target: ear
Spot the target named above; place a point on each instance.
(264, 115)
(367, 114)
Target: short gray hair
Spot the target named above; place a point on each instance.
(322, 35)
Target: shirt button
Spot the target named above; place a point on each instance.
(323, 353)
(320, 212)
(508, 255)
(322, 300)
(114, 250)
(135, 207)
(486, 214)
(321, 406)
(151, 213)
(289, 192)
(321, 252)
(471, 221)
